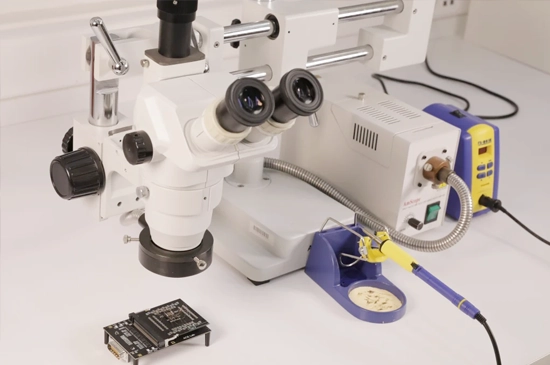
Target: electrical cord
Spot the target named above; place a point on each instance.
(484, 323)
(495, 205)
(381, 79)
(515, 106)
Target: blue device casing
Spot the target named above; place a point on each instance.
(463, 165)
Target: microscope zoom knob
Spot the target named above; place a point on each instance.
(78, 173)
(137, 147)
(67, 143)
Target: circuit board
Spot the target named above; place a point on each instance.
(153, 329)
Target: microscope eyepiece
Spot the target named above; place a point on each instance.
(251, 100)
(298, 94)
(247, 103)
(304, 90)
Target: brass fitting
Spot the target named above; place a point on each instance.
(436, 170)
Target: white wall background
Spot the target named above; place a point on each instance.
(520, 29)
(41, 49)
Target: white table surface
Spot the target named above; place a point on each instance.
(64, 275)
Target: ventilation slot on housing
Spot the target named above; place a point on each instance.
(400, 109)
(365, 137)
(379, 115)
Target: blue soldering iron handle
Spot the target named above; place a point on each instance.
(458, 300)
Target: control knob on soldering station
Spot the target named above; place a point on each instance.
(77, 174)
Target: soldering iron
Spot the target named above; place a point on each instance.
(387, 249)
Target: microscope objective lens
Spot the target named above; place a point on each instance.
(251, 100)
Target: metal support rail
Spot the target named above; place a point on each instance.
(371, 10)
(339, 57)
(262, 73)
(265, 28)
(241, 32)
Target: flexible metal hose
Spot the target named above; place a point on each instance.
(372, 222)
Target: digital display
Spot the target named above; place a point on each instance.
(482, 150)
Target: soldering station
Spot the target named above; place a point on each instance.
(279, 166)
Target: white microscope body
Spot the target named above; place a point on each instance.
(191, 123)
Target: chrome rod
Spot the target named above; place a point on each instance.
(120, 66)
(241, 32)
(339, 57)
(370, 10)
(265, 28)
(262, 73)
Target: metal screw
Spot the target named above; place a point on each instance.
(449, 158)
(142, 192)
(144, 63)
(414, 11)
(201, 264)
(175, 2)
(127, 239)
(216, 45)
(428, 167)
(206, 67)
(385, 58)
(313, 120)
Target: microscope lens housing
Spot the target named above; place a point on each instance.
(247, 103)
(176, 19)
(298, 94)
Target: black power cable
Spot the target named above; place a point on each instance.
(496, 205)
(484, 323)
(381, 79)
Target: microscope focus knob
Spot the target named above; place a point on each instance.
(78, 173)
(67, 143)
(137, 147)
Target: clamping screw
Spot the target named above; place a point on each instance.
(127, 239)
(120, 65)
(313, 120)
(142, 192)
(201, 264)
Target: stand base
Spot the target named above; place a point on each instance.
(267, 232)
(174, 264)
(258, 283)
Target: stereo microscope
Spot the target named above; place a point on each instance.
(190, 125)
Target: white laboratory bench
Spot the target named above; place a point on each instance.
(64, 275)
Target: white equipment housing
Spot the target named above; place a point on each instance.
(265, 232)
(373, 150)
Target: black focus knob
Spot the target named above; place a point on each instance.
(67, 143)
(415, 223)
(137, 147)
(78, 173)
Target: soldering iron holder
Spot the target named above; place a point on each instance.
(323, 266)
